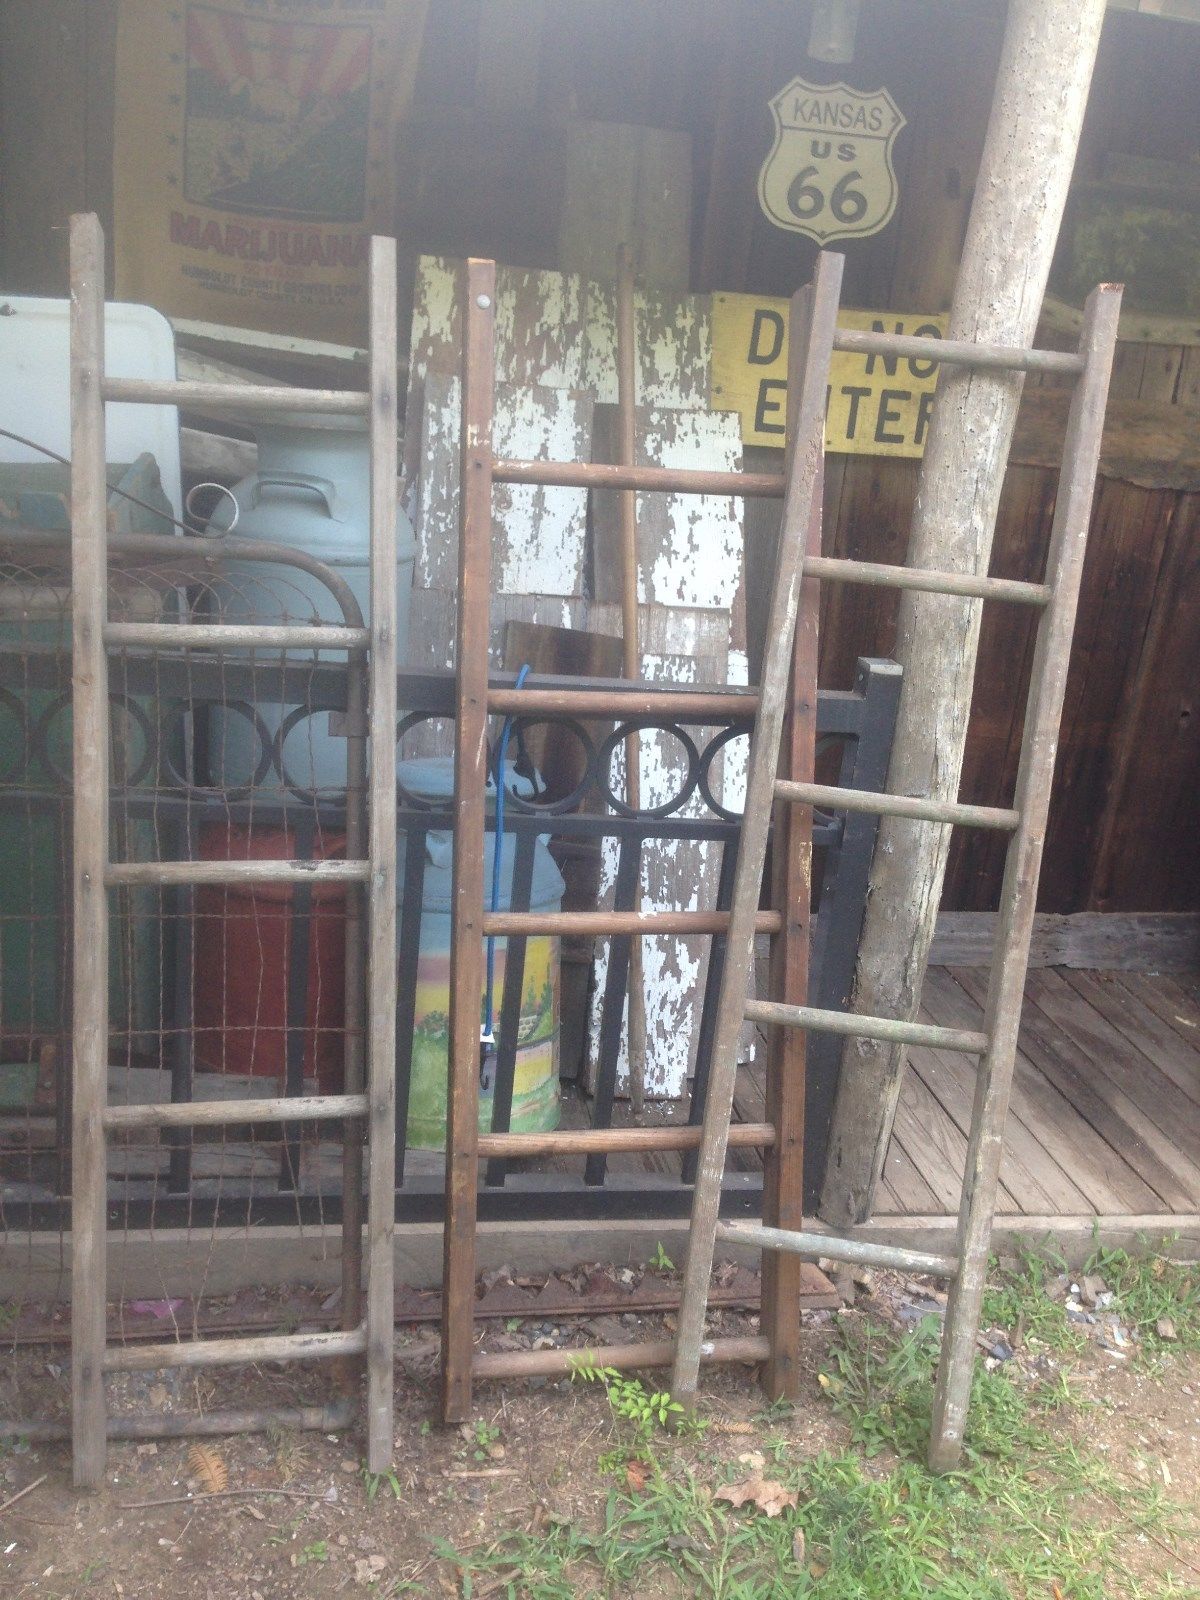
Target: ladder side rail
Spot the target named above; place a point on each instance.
(790, 956)
(90, 779)
(814, 312)
(470, 779)
(1035, 776)
(381, 850)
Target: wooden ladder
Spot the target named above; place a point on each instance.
(368, 873)
(1055, 601)
(814, 337)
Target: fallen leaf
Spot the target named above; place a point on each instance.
(637, 1474)
(817, 1569)
(798, 1547)
(754, 1459)
(764, 1493)
(207, 1465)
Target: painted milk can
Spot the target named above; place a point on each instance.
(535, 1106)
(312, 490)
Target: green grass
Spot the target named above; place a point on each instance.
(1148, 1288)
(1017, 1300)
(1031, 1513)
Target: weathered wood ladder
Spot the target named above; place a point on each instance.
(1056, 600)
(370, 873)
(814, 337)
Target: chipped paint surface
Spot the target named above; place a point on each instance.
(558, 329)
(538, 533)
(677, 874)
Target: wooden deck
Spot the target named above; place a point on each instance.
(1105, 1115)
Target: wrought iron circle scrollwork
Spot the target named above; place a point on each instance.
(534, 803)
(266, 744)
(715, 747)
(641, 725)
(41, 743)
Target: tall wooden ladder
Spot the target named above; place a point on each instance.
(369, 874)
(1055, 600)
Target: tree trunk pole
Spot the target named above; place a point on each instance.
(1033, 133)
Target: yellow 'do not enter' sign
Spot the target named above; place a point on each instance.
(878, 405)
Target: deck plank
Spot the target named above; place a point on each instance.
(1173, 999)
(1096, 1099)
(1151, 1105)
(1157, 1040)
(1110, 1184)
(1028, 1171)
(935, 1144)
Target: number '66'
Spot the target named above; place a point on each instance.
(805, 199)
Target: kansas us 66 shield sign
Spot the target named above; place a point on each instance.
(829, 174)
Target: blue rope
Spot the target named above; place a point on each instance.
(488, 1034)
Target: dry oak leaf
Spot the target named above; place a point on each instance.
(764, 1493)
(637, 1474)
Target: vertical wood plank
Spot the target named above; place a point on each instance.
(470, 780)
(381, 890)
(90, 735)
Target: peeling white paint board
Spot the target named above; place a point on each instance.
(539, 533)
(691, 548)
(559, 330)
(674, 346)
(539, 324)
(677, 874)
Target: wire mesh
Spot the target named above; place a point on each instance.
(215, 992)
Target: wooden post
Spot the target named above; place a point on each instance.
(1033, 133)
(89, 699)
(630, 646)
(470, 783)
(381, 887)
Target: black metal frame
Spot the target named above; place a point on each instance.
(859, 721)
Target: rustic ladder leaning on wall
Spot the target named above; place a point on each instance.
(995, 1047)
(94, 874)
(475, 701)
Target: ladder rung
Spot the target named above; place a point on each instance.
(956, 352)
(652, 480)
(240, 396)
(876, 575)
(600, 924)
(217, 1113)
(860, 1027)
(837, 1248)
(172, 874)
(494, 1364)
(216, 635)
(233, 1352)
(719, 705)
(608, 1141)
(895, 805)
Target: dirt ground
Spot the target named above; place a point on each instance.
(302, 1519)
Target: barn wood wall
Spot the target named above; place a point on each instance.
(482, 173)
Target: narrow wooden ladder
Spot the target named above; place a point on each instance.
(1055, 601)
(370, 874)
(476, 700)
